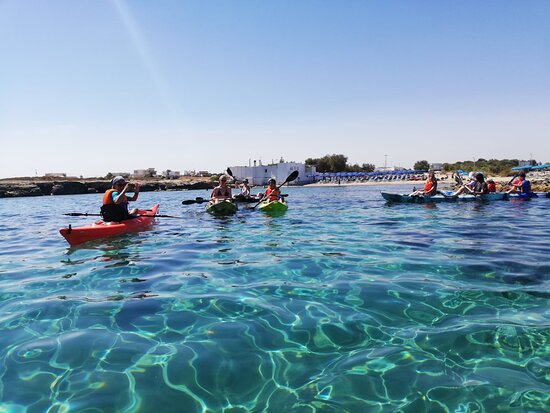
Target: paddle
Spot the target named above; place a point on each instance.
(197, 200)
(509, 182)
(289, 178)
(86, 214)
(230, 173)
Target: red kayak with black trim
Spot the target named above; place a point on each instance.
(100, 229)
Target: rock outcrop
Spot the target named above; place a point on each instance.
(11, 190)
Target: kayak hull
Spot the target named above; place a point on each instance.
(523, 196)
(100, 229)
(405, 198)
(245, 200)
(273, 207)
(221, 208)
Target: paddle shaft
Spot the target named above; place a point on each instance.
(86, 214)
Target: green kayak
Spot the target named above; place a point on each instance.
(221, 208)
(274, 207)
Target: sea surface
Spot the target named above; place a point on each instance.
(343, 304)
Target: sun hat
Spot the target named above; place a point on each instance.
(118, 179)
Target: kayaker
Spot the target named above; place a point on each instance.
(115, 201)
(480, 186)
(430, 187)
(222, 191)
(491, 185)
(521, 186)
(245, 188)
(271, 193)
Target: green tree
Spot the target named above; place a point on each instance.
(421, 166)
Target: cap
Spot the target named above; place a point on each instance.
(118, 179)
(271, 180)
(245, 181)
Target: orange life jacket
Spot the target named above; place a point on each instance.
(428, 186)
(271, 194)
(108, 199)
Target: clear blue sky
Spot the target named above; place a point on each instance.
(88, 87)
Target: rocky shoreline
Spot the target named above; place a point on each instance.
(41, 188)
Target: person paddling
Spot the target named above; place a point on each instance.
(521, 186)
(244, 195)
(271, 193)
(221, 192)
(115, 201)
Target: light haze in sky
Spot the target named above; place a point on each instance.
(90, 87)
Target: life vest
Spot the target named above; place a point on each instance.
(108, 199)
(491, 187)
(525, 187)
(428, 186)
(271, 194)
(112, 212)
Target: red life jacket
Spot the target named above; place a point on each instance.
(428, 186)
(491, 187)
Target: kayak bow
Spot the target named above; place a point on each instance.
(221, 208)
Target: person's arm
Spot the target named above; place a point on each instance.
(136, 193)
(120, 196)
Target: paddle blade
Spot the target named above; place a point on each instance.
(189, 202)
(292, 177)
(229, 172)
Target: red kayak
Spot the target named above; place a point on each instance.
(100, 229)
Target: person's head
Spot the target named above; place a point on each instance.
(490, 180)
(223, 180)
(472, 175)
(245, 181)
(479, 177)
(522, 175)
(272, 183)
(431, 175)
(118, 182)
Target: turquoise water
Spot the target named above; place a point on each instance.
(344, 304)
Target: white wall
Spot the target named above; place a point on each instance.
(258, 175)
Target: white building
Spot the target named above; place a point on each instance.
(169, 174)
(259, 174)
(123, 174)
(143, 173)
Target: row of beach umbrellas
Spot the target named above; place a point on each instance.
(358, 174)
